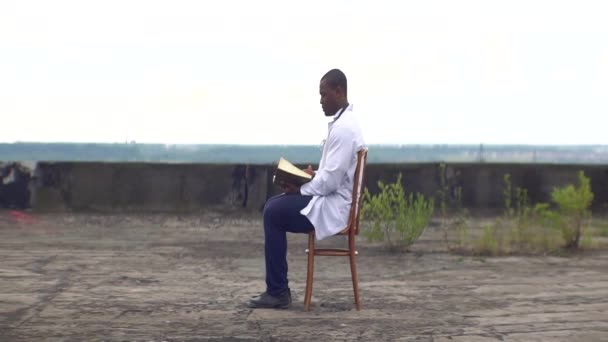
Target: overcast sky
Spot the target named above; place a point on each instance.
(247, 72)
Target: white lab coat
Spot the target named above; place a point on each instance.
(332, 185)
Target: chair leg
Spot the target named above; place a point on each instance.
(353, 272)
(309, 273)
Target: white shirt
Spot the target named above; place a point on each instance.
(332, 185)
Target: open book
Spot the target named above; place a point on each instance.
(287, 173)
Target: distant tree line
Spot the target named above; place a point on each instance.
(262, 154)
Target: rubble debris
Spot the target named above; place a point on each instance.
(14, 186)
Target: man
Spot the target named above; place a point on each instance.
(322, 204)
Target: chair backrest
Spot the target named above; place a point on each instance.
(355, 208)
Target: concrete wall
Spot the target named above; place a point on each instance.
(192, 187)
(147, 187)
(483, 184)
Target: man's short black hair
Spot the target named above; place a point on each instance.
(335, 78)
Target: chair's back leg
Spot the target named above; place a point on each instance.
(309, 273)
(353, 270)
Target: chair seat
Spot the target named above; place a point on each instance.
(342, 232)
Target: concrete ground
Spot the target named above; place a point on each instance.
(77, 277)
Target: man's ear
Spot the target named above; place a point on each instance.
(339, 91)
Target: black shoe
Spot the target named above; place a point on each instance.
(288, 294)
(271, 302)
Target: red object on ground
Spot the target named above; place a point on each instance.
(22, 217)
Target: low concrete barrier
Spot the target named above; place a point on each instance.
(147, 187)
(192, 187)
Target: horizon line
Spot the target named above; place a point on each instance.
(306, 145)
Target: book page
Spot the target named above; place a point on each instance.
(290, 168)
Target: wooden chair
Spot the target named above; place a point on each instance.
(351, 230)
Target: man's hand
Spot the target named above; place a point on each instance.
(309, 170)
(290, 188)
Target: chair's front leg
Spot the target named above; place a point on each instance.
(309, 273)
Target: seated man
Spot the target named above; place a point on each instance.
(322, 204)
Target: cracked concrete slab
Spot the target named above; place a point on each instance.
(77, 277)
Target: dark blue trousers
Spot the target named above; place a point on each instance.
(281, 215)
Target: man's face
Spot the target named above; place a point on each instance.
(329, 98)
